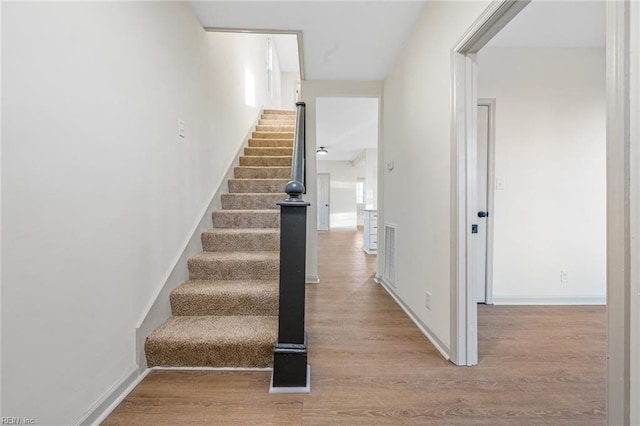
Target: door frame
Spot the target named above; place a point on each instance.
(620, 223)
(328, 175)
(491, 179)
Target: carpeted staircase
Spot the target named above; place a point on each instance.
(226, 314)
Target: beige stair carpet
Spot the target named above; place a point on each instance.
(226, 314)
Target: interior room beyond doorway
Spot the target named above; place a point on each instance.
(347, 158)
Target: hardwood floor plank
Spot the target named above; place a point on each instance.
(539, 365)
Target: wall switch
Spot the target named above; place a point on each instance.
(181, 127)
(427, 300)
(564, 276)
(499, 184)
(390, 165)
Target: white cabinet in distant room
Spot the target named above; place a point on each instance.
(370, 231)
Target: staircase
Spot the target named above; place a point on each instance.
(226, 314)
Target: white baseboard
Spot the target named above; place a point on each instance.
(549, 300)
(433, 338)
(110, 400)
(312, 279)
(210, 369)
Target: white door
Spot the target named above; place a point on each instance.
(323, 201)
(481, 219)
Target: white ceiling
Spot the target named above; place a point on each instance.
(555, 24)
(346, 126)
(349, 40)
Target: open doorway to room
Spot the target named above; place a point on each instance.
(544, 195)
(541, 167)
(347, 161)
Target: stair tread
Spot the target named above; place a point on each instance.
(265, 167)
(225, 297)
(255, 194)
(237, 255)
(237, 231)
(261, 180)
(261, 156)
(207, 287)
(199, 330)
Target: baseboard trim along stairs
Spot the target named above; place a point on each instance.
(225, 315)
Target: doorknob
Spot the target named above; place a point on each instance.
(483, 214)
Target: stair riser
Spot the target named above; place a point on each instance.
(266, 161)
(279, 112)
(275, 128)
(241, 242)
(209, 354)
(270, 143)
(277, 122)
(251, 201)
(272, 135)
(268, 152)
(222, 219)
(262, 173)
(243, 304)
(231, 269)
(257, 185)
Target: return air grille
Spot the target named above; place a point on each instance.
(389, 275)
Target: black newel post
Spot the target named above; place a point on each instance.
(290, 351)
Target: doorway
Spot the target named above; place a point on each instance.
(464, 313)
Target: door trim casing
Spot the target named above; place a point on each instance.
(619, 180)
(464, 309)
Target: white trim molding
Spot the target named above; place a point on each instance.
(549, 300)
(464, 310)
(635, 212)
(112, 398)
(618, 213)
(429, 334)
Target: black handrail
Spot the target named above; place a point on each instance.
(296, 186)
(290, 368)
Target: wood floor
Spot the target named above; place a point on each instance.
(371, 366)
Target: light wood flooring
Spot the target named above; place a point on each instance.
(371, 366)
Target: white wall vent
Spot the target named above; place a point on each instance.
(389, 275)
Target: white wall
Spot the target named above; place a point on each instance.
(312, 89)
(551, 154)
(273, 99)
(371, 178)
(99, 195)
(289, 80)
(342, 193)
(416, 194)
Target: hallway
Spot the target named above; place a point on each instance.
(370, 365)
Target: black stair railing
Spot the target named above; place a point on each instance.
(290, 368)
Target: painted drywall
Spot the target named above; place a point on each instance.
(273, 97)
(288, 94)
(416, 195)
(367, 164)
(550, 135)
(342, 193)
(371, 178)
(312, 89)
(99, 194)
